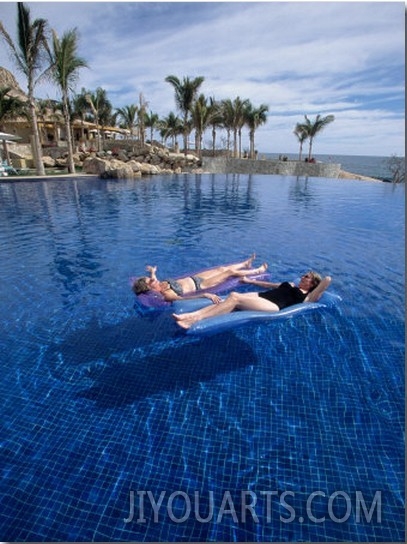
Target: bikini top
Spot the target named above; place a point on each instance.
(175, 286)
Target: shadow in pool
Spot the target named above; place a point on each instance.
(174, 368)
(103, 341)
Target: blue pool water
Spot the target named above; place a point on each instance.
(100, 405)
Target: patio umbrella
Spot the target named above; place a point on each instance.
(8, 138)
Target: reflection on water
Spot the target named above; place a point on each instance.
(75, 223)
(302, 194)
(74, 241)
(89, 232)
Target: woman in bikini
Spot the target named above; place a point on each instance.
(277, 297)
(174, 289)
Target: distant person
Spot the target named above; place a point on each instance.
(276, 298)
(174, 289)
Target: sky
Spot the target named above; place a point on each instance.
(299, 58)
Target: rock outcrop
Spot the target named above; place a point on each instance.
(118, 163)
(135, 162)
(348, 175)
(7, 80)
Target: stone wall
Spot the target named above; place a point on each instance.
(223, 165)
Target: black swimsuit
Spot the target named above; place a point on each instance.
(284, 295)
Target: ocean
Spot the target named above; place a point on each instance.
(364, 165)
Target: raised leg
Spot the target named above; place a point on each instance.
(206, 274)
(228, 272)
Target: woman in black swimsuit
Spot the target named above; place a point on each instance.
(172, 289)
(277, 297)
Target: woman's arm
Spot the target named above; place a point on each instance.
(152, 270)
(260, 283)
(170, 296)
(317, 293)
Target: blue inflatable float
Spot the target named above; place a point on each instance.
(221, 323)
(153, 300)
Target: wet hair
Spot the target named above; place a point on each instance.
(316, 279)
(140, 286)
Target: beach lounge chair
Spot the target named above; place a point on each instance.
(7, 170)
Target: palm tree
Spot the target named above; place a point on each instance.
(101, 109)
(80, 109)
(91, 99)
(201, 117)
(105, 110)
(171, 127)
(234, 118)
(254, 117)
(128, 114)
(301, 135)
(49, 111)
(142, 118)
(227, 113)
(313, 128)
(216, 120)
(65, 66)
(185, 94)
(42, 109)
(29, 55)
(240, 107)
(151, 122)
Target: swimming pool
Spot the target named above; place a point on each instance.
(120, 427)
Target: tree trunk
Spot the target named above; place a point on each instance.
(197, 140)
(71, 165)
(185, 133)
(37, 152)
(235, 143)
(185, 142)
(6, 153)
(251, 136)
(310, 150)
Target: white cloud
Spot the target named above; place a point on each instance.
(345, 58)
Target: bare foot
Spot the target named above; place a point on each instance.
(249, 262)
(182, 320)
(184, 325)
(262, 268)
